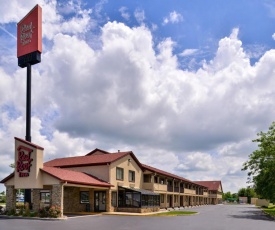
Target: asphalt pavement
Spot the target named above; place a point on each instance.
(212, 217)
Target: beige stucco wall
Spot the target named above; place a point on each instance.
(126, 165)
(48, 180)
(34, 179)
(10, 182)
(100, 171)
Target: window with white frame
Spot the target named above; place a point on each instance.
(131, 176)
(45, 197)
(119, 173)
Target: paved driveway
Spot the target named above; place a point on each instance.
(219, 217)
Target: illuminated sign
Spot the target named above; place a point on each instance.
(29, 37)
(24, 160)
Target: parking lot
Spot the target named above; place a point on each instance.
(213, 217)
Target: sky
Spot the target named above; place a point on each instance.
(185, 85)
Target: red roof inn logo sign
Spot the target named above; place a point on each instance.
(29, 38)
(24, 160)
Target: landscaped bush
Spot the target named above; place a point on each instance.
(19, 205)
(1, 210)
(52, 212)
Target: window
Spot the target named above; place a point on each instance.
(162, 198)
(114, 199)
(131, 176)
(45, 197)
(146, 178)
(84, 197)
(119, 173)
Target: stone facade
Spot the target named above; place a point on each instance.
(36, 199)
(11, 197)
(72, 200)
(57, 196)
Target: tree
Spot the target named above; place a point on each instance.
(247, 192)
(226, 196)
(261, 164)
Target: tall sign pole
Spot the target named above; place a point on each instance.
(29, 49)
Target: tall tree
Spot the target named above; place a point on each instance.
(261, 164)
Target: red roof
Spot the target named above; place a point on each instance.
(7, 178)
(97, 150)
(86, 160)
(89, 160)
(75, 177)
(211, 185)
(152, 169)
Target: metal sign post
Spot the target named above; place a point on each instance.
(29, 48)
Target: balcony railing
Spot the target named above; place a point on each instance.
(169, 188)
(176, 189)
(160, 187)
(181, 190)
(189, 191)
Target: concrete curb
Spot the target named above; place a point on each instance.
(33, 218)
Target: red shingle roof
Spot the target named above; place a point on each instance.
(211, 185)
(86, 160)
(75, 177)
(152, 169)
(89, 160)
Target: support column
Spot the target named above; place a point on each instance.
(165, 200)
(11, 198)
(57, 196)
(36, 200)
(108, 200)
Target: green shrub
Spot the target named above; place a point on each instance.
(11, 212)
(53, 212)
(43, 212)
(33, 214)
(27, 209)
(19, 205)
(1, 210)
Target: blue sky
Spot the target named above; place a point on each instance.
(185, 85)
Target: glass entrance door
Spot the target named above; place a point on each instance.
(100, 201)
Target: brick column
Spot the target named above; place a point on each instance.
(57, 196)
(36, 200)
(11, 197)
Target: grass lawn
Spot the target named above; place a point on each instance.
(270, 210)
(175, 213)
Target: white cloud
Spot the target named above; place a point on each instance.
(173, 18)
(124, 13)
(139, 15)
(196, 161)
(188, 52)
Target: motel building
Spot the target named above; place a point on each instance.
(101, 182)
